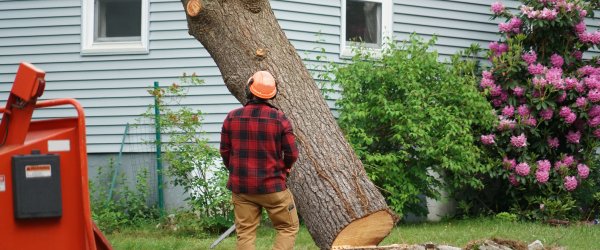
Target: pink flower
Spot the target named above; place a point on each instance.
(596, 133)
(582, 13)
(553, 142)
(494, 46)
(586, 70)
(594, 121)
(548, 14)
(504, 95)
(522, 169)
(546, 114)
(557, 60)
(496, 91)
(580, 27)
(585, 37)
(594, 111)
(487, 75)
(515, 24)
(497, 7)
(581, 102)
(506, 124)
(502, 47)
(536, 69)
(529, 57)
(513, 180)
(488, 139)
(570, 183)
(568, 160)
(525, 9)
(509, 163)
(531, 122)
(570, 83)
(571, 118)
(554, 77)
(564, 111)
(580, 87)
(508, 111)
(595, 38)
(519, 141)
(544, 165)
(518, 91)
(505, 27)
(539, 82)
(487, 83)
(542, 176)
(497, 102)
(533, 14)
(594, 95)
(591, 81)
(573, 137)
(583, 171)
(523, 110)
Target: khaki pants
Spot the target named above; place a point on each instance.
(281, 209)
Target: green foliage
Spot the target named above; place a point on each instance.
(410, 117)
(128, 207)
(505, 216)
(192, 161)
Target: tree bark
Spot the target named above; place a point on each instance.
(339, 204)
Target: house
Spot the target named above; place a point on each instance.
(107, 53)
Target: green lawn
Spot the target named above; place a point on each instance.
(456, 233)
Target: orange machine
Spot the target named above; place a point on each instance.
(44, 199)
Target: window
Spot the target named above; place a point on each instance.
(114, 27)
(366, 22)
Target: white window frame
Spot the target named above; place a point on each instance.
(386, 29)
(91, 47)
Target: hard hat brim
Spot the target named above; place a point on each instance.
(262, 95)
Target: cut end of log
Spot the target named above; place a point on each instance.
(261, 54)
(193, 7)
(369, 230)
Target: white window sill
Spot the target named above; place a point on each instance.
(349, 52)
(114, 48)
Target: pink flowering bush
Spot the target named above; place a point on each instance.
(545, 91)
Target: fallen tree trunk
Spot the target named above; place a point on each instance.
(339, 204)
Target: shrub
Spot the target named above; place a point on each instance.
(193, 163)
(126, 207)
(409, 117)
(546, 97)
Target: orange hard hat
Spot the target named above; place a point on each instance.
(263, 85)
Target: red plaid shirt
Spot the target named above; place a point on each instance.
(258, 148)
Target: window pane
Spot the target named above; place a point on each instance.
(119, 18)
(363, 22)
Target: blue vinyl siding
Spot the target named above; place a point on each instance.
(112, 88)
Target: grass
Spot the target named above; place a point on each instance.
(455, 233)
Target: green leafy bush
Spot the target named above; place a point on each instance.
(410, 117)
(193, 163)
(126, 207)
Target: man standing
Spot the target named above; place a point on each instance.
(258, 148)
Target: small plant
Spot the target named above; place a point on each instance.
(505, 216)
(193, 163)
(126, 207)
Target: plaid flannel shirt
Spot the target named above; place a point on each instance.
(258, 148)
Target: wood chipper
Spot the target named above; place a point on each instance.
(44, 199)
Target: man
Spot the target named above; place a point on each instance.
(258, 148)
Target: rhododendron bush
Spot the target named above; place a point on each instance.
(545, 90)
